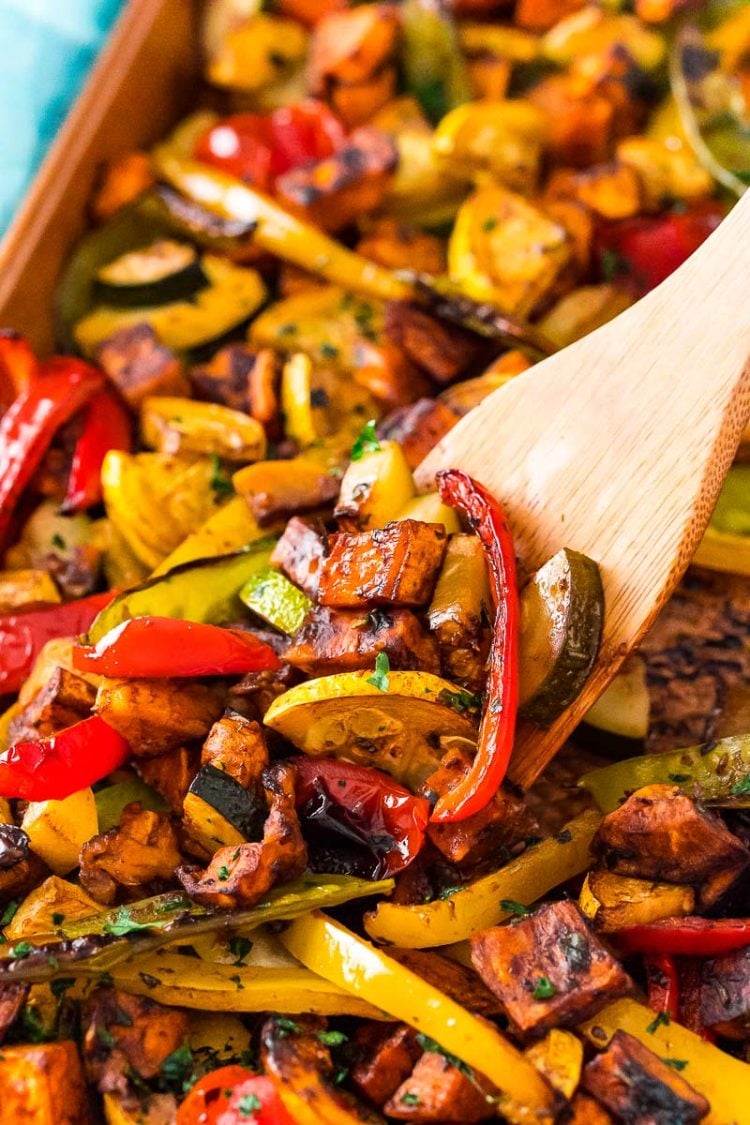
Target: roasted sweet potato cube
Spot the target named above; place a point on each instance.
(585, 1111)
(125, 1034)
(612, 191)
(351, 46)
(639, 1086)
(139, 366)
(390, 566)
(418, 428)
(156, 716)
(581, 121)
(64, 700)
(357, 102)
(336, 190)
(25, 874)
(237, 746)
(240, 378)
(659, 833)
(121, 181)
(488, 834)
(402, 247)
(275, 490)
(343, 640)
(171, 774)
(300, 553)
(43, 1085)
(454, 979)
(724, 989)
(387, 1053)
(549, 970)
(438, 1091)
(446, 352)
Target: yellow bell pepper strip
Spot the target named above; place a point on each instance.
(720, 550)
(278, 231)
(230, 529)
(178, 979)
(722, 1079)
(481, 904)
(715, 771)
(333, 951)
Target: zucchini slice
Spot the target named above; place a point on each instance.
(232, 295)
(218, 812)
(156, 274)
(561, 624)
(617, 724)
(276, 600)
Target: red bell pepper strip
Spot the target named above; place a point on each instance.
(258, 148)
(497, 729)
(107, 426)
(233, 1095)
(24, 634)
(663, 982)
(149, 647)
(62, 387)
(689, 937)
(366, 806)
(50, 769)
(690, 999)
(18, 366)
(648, 250)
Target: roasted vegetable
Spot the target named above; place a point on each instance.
(140, 852)
(43, 1084)
(393, 566)
(274, 599)
(139, 365)
(275, 490)
(218, 811)
(179, 425)
(153, 717)
(394, 726)
(611, 901)
(461, 599)
(376, 485)
(157, 274)
(561, 622)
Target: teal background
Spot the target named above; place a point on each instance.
(48, 47)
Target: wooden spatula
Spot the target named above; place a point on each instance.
(618, 446)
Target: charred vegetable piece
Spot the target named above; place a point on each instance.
(628, 1078)
(460, 602)
(376, 485)
(218, 811)
(55, 767)
(205, 590)
(41, 912)
(43, 1084)
(66, 699)
(611, 901)
(342, 640)
(57, 830)
(155, 716)
(490, 899)
(438, 1090)
(299, 553)
(153, 275)
(388, 1055)
(233, 293)
(139, 365)
(393, 566)
(275, 490)
(561, 623)
(20, 588)
(112, 799)
(549, 969)
(394, 723)
(140, 852)
(276, 600)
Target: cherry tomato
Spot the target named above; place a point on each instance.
(255, 1102)
(211, 1095)
(257, 148)
(644, 251)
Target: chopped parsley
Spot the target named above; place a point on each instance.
(57, 918)
(33, 1027)
(105, 1037)
(510, 906)
(328, 351)
(58, 541)
(614, 265)
(237, 981)
(489, 224)
(448, 892)
(223, 873)
(434, 1048)
(410, 1099)
(60, 986)
(248, 1105)
(678, 778)
(379, 678)
(21, 950)
(661, 1019)
(177, 1068)
(332, 1038)
(239, 947)
(461, 700)
(367, 441)
(741, 786)
(219, 481)
(9, 913)
(124, 924)
(286, 1027)
(543, 989)
(676, 1064)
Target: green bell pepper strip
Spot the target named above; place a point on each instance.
(716, 772)
(206, 591)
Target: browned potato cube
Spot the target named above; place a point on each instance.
(438, 1091)
(43, 1085)
(141, 1034)
(237, 746)
(549, 970)
(659, 833)
(276, 490)
(445, 351)
(299, 553)
(391, 566)
(156, 716)
(725, 993)
(140, 854)
(640, 1087)
(64, 700)
(388, 1053)
(418, 428)
(171, 774)
(138, 365)
(342, 640)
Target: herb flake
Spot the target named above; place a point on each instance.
(367, 441)
(379, 678)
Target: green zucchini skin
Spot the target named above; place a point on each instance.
(172, 283)
(572, 596)
(238, 807)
